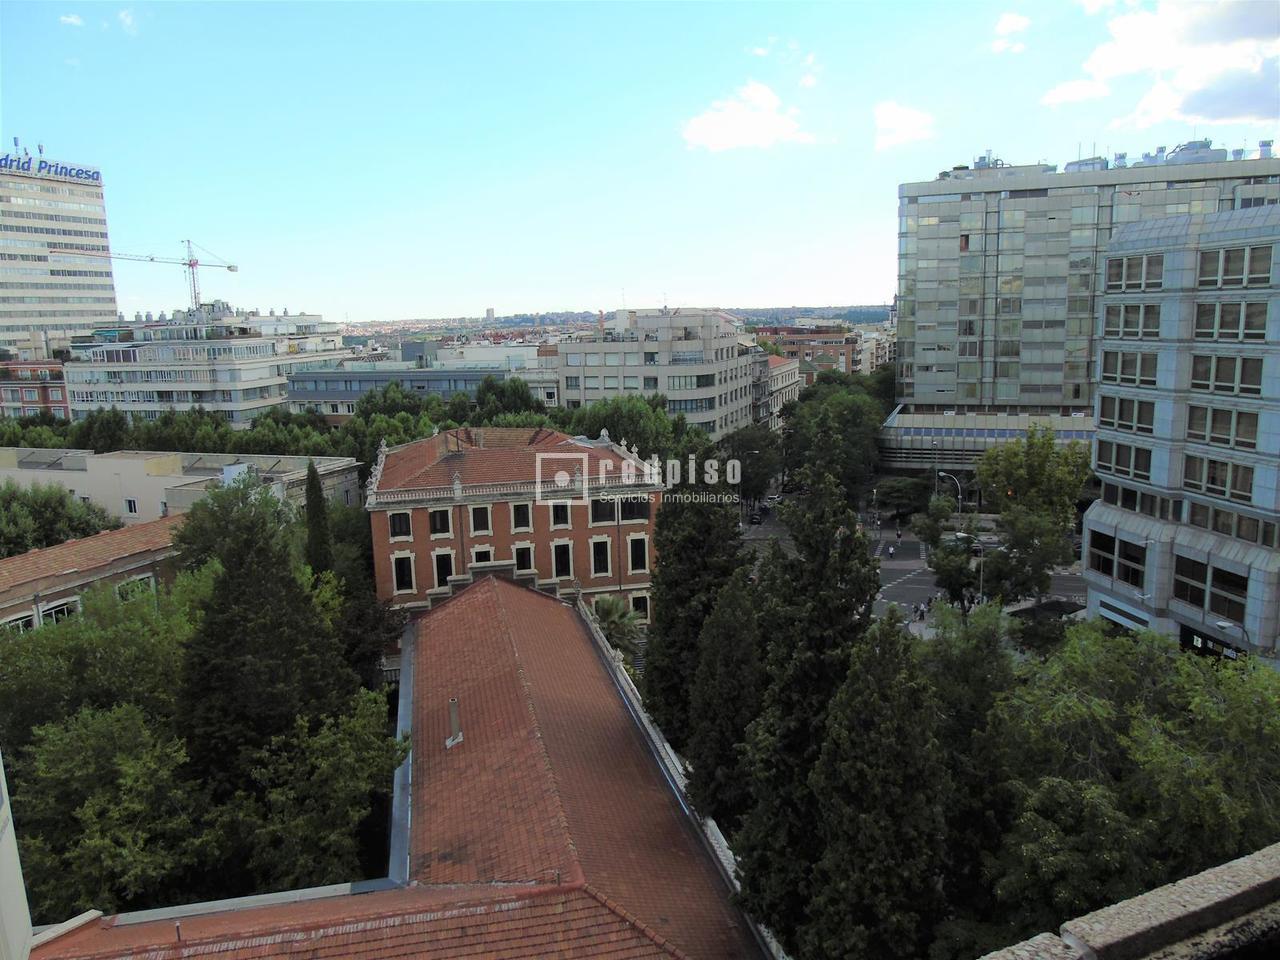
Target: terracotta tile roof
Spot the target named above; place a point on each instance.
(88, 553)
(775, 361)
(447, 923)
(548, 833)
(482, 456)
(546, 732)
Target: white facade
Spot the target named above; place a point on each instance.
(48, 292)
(235, 364)
(15, 917)
(142, 485)
(692, 356)
(784, 387)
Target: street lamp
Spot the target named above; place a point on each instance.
(959, 490)
(1228, 624)
(982, 558)
(935, 468)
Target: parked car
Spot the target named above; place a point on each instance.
(756, 519)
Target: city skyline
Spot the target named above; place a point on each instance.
(748, 155)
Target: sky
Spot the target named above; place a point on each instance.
(378, 161)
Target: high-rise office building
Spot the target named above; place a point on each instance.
(998, 280)
(1184, 539)
(47, 294)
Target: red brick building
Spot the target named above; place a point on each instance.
(473, 501)
(546, 830)
(32, 387)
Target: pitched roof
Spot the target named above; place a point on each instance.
(88, 553)
(486, 455)
(548, 832)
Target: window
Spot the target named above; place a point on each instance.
(635, 508)
(402, 564)
(60, 610)
(20, 624)
(1189, 580)
(1231, 321)
(444, 567)
(481, 554)
(1135, 273)
(521, 517)
(440, 523)
(572, 383)
(1123, 459)
(1218, 478)
(1132, 321)
(131, 506)
(600, 553)
(524, 557)
(137, 587)
(560, 518)
(1228, 593)
(651, 383)
(1134, 369)
(1235, 267)
(55, 393)
(638, 553)
(603, 511)
(640, 604)
(30, 394)
(1102, 551)
(480, 521)
(401, 526)
(1227, 374)
(1120, 413)
(562, 559)
(1227, 428)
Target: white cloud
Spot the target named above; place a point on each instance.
(1010, 23)
(811, 59)
(71, 20)
(1095, 6)
(897, 124)
(1005, 45)
(752, 117)
(808, 80)
(1203, 63)
(759, 51)
(1074, 91)
(126, 21)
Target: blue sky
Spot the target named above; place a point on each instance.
(383, 160)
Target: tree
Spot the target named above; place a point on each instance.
(833, 427)
(1035, 474)
(107, 821)
(641, 423)
(618, 622)
(928, 526)
(458, 408)
(314, 787)
(724, 699)
(881, 790)
(262, 654)
(953, 571)
(813, 607)
(226, 517)
(700, 546)
(1034, 545)
(882, 383)
(495, 398)
(319, 548)
(902, 496)
(759, 450)
(44, 515)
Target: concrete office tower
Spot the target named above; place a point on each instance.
(698, 358)
(48, 295)
(998, 282)
(1184, 539)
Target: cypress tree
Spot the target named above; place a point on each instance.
(813, 607)
(699, 547)
(881, 788)
(319, 547)
(724, 699)
(261, 657)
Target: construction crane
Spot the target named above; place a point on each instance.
(191, 262)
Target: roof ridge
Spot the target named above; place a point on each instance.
(617, 909)
(505, 622)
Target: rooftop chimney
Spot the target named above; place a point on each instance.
(455, 725)
(1264, 149)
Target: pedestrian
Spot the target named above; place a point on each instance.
(891, 552)
(899, 534)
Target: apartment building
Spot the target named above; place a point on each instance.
(335, 391)
(53, 220)
(839, 350)
(563, 514)
(1184, 538)
(697, 358)
(29, 388)
(782, 377)
(998, 276)
(234, 363)
(139, 486)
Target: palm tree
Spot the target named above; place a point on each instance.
(619, 623)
